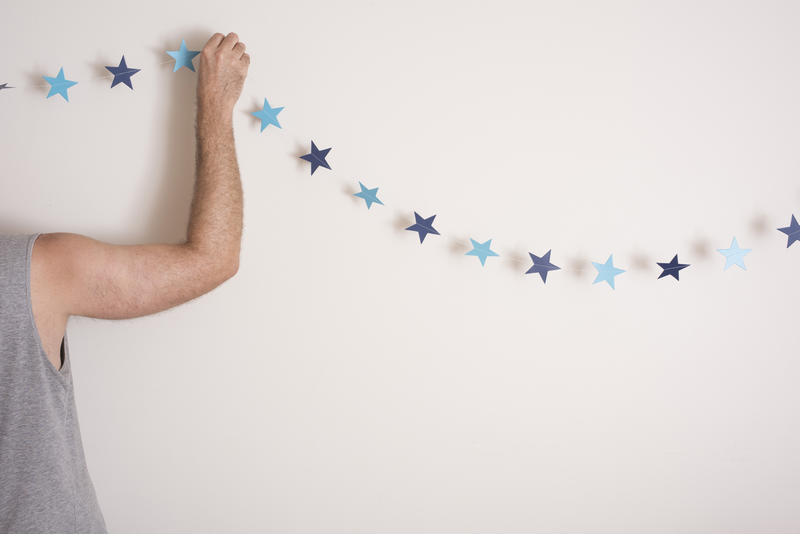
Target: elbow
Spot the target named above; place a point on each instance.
(231, 269)
(217, 268)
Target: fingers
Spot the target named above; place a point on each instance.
(214, 41)
(246, 59)
(230, 41)
(238, 49)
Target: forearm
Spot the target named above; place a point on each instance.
(215, 223)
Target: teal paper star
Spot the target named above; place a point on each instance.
(370, 196)
(183, 57)
(481, 250)
(59, 85)
(268, 115)
(606, 271)
(734, 255)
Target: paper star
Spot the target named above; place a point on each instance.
(734, 255)
(5, 86)
(793, 231)
(423, 226)
(672, 268)
(122, 73)
(481, 250)
(541, 265)
(317, 157)
(268, 115)
(183, 57)
(370, 196)
(59, 85)
(606, 271)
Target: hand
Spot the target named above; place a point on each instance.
(223, 68)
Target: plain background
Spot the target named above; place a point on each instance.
(351, 380)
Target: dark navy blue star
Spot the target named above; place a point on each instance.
(542, 265)
(793, 231)
(672, 268)
(122, 73)
(423, 226)
(317, 157)
(5, 86)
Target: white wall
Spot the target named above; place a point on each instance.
(350, 380)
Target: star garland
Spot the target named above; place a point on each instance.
(423, 226)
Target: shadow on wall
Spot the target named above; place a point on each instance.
(167, 214)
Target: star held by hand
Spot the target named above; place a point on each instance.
(734, 255)
(606, 272)
(183, 57)
(122, 73)
(672, 268)
(370, 196)
(541, 265)
(59, 85)
(481, 250)
(423, 226)
(317, 157)
(793, 231)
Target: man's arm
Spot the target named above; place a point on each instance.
(78, 275)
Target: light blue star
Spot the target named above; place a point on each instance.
(606, 271)
(268, 115)
(734, 255)
(481, 250)
(370, 196)
(59, 85)
(183, 57)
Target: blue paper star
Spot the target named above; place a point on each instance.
(370, 196)
(5, 86)
(541, 265)
(317, 157)
(59, 85)
(606, 271)
(122, 74)
(734, 255)
(481, 250)
(793, 231)
(672, 268)
(268, 115)
(183, 57)
(423, 226)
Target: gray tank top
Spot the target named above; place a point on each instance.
(44, 484)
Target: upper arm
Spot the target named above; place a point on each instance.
(105, 281)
